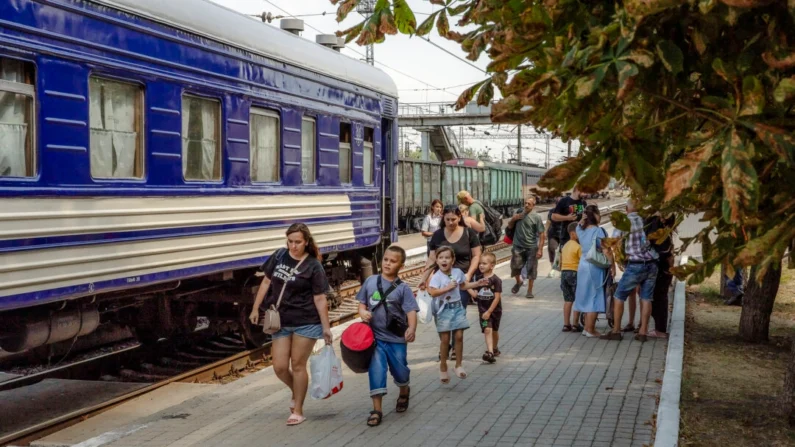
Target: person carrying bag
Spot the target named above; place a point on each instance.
(392, 316)
(271, 320)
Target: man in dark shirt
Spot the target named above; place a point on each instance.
(568, 209)
(665, 248)
(553, 233)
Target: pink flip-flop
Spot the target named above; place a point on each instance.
(459, 371)
(295, 419)
(444, 377)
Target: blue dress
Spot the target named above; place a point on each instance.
(590, 294)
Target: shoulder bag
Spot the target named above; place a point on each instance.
(595, 255)
(271, 321)
(396, 321)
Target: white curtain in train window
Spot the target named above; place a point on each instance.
(308, 151)
(367, 167)
(13, 122)
(264, 148)
(345, 163)
(114, 140)
(199, 139)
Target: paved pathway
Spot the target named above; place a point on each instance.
(547, 389)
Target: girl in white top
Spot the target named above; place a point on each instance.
(432, 221)
(451, 316)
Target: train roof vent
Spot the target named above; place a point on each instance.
(328, 41)
(295, 26)
(388, 106)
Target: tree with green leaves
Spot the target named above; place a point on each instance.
(688, 102)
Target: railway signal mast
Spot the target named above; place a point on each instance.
(365, 8)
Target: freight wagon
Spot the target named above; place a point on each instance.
(499, 185)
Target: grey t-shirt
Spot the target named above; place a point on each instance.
(528, 230)
(402, 296)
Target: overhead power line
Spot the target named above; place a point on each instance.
(361, 54)
(454, 55)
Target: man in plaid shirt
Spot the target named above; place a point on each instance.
(640, 270)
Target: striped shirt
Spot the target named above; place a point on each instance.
(637, 247)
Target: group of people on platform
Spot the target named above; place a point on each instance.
(459, 272)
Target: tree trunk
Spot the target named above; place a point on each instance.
(758, 305)
(789, 387)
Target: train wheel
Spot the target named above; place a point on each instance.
(252, 333)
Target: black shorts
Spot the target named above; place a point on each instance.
(494, 320)
(568, 284)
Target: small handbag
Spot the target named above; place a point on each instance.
(595, 255)
(271, 321)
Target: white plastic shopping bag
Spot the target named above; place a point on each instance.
(326, 370)
(425, 303)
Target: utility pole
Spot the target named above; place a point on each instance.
(569, 148)
(547, 161)
(519, 144)
(365, 8)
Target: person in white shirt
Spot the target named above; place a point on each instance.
(432, 222)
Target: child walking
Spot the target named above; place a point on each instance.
(569, 261)
(450, 314)
(381, 294)
(489, 298)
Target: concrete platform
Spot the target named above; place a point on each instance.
(548, 388)
(54, 397)
(129, 412)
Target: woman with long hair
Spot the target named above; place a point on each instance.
(465, 244)
(590, 293)
(303, 311)
(432, 222)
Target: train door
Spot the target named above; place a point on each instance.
(388, 182)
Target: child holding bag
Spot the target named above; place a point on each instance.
(450, 315)
(389, 306)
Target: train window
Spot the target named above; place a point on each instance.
(116, 118)
(201, 143)
(308, 150)
(17, 99)
(265, 146)
(345, 153)
(367, 164)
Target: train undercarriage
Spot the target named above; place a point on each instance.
(218, 303)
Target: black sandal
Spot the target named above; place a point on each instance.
(403, 402)
(567, 328)
(375, 418)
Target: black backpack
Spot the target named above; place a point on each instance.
(493, 220)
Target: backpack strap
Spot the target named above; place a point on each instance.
(383, 294)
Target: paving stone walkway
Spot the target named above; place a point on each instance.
(547, 389)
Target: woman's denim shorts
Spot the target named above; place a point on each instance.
(313, 331)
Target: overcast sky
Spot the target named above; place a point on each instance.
(423, 72)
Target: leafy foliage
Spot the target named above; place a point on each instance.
(688, 102)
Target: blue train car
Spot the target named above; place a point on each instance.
(152, 154)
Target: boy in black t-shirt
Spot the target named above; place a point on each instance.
(489, 305)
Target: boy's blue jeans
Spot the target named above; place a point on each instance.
(393, 356)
